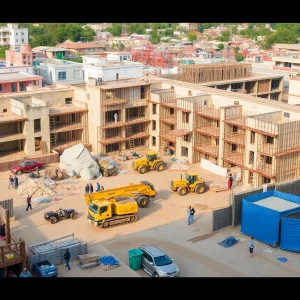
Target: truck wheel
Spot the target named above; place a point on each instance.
(105, 174)
(142, 201)
(105, 225)
(142, 169)
(182, 191)
(53, 220)
(19, 173)
(74, 215)
(200, 188)
(160, 167)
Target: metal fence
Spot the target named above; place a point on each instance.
(289, 187)
(8, 204)
(222, 218)
(54, 250)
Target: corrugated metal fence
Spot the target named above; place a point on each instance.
(54, 250)
(8, 204)
(222, 218)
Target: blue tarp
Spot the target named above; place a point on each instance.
(229, 242)
(108, 260)
(261, 222)
(290, 233)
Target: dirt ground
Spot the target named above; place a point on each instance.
(162, 223)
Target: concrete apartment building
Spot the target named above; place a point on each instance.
(12, 82)
(60, 71)
(105, 70)
(288, 63)
(38, 121)
(260, 136)
(22, 56)
(51, 52)
(13, 36)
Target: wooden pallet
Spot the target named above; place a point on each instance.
(88, 265)
(108, 267)
(216, 188)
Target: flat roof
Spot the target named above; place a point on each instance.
(253, 77)
(10, 117)
(277, 204)
(65, 109)
(11, 76)
(124, 84)
(49, 61)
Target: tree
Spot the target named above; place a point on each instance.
(115, 29)
(239, 57)
(192, 37)
(154, 37)
(282, 35)
(200, 28)
(2, 51)
(221, 46)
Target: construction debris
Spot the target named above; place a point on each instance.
(36, 188)
(54, 173)
(108, 262)
(180, 164)
(217, 188)
(88, 260)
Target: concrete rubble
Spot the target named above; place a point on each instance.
(35, 188)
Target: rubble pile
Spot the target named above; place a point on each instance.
(181, 164)
(35, 188)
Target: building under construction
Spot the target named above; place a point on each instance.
(213, 72)
(263, 142)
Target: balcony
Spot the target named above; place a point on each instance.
(265, 170)
(212, 150)
(129, 121)
(213, 113)
(266, 149)
(171, 119)
(237, 121)
(234, 157)
(8, 137)
(18, 251)
(113, 101)
(65, 127)
(211, 131)
(235, 138)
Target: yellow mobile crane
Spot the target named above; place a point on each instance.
(106, 211)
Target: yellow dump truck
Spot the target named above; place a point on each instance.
(191, 183)
(151, 161)
(107, 210)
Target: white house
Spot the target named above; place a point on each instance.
(113, 70)
(118, 56)
(60, 71)
(13, 36)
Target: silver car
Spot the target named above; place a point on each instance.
(157, 263)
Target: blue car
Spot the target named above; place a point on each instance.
(44, 269)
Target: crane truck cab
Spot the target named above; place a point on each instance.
(150, 161)
(105, 214)
(191, 183)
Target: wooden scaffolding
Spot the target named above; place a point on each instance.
(122, 127)
(68, 127)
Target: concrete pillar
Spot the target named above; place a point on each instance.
(18, 86)
(221, 138)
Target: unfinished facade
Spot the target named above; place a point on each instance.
(37, 122)
(228, 129)
(118, 114)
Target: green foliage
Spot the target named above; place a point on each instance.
(192, 37)
(115, 29)
(77, 59)
(138, 28)
(50, 34)
(282, 35)
(225, 37)
(239, 57)
(154, 37)
(2, 51)
(221, 46)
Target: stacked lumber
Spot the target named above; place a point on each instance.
(88, 260)
(217, 188)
